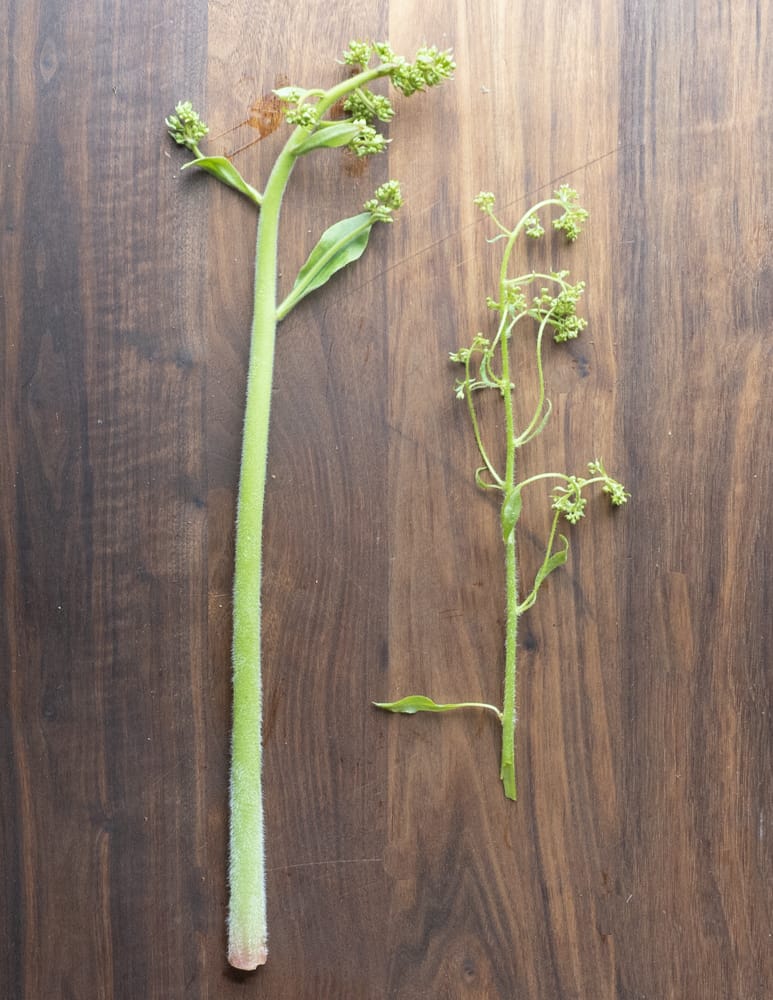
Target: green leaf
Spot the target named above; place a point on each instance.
(418, 703)
(552, 561)
(339, 134)
(290, 93)
(226, 172)
(529, 435)
(412, 704)
(511, 511)
(338, 246)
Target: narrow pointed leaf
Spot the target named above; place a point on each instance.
(552, 561)
(340, 134)
(226, 172)
(338, 246)
(412, 704)
(530, 435)
(419, 703)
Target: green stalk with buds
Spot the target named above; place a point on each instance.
(309, 111)
(488, 365)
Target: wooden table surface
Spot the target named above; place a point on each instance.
(636, 863)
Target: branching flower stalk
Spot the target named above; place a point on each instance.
(309, 111)
(549, 301)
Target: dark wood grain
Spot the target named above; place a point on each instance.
(636, 864)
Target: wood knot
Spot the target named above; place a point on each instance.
(48, 63)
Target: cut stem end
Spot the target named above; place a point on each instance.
(507, 775)
(246, 959)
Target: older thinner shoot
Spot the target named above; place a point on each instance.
(487, 364)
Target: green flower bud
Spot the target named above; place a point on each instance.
(185, 126)
(534, 227)
(430, 68)
(485, 202)
(387, 198)
(571, 222)
(358, 54)
(368, 141)
(305, 115)
(363, 103)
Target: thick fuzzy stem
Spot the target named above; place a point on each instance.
(247, 933)
(247, 930)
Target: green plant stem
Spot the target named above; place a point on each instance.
(339, 245)
(247, 925)
(548, 310)
(507, 768)
(557, 475)
(247, 934)
(509, 707)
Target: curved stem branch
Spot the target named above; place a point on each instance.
(476, 426)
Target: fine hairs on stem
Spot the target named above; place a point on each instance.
(309, 112)
(545, 302)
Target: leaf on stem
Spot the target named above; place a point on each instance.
(511, 511)
(419, 703)
(226, 172)
(338, 246)
(531, 432)
(482, 483)
(340, 134)
(552, 561)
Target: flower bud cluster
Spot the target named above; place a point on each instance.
(485, 202)
(430, 68)
(560, 310)
(534, 227)
(569, 499)
(570, 502)
(617, 493)
(305, 115)
(386, 199)
(185, 126)
(573, 219)
(358, 54)
(363, 103)
(368, 140)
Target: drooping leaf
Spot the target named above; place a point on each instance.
(338, 134)
(226, 172)
(338, 246)
(496, 484)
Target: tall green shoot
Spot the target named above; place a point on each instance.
(309, 111)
